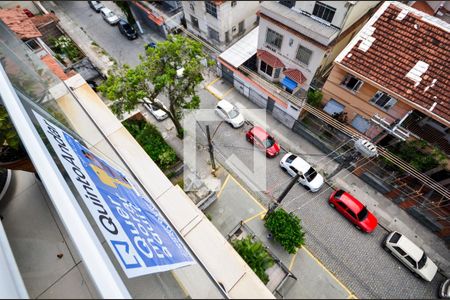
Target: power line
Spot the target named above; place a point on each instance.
(331, 121)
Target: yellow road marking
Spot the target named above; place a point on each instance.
(227, 92)
(213, 93)
(248, 193)
(351, 294)
(292, 261)
(223, 186)
(212, 82)
(257, 215)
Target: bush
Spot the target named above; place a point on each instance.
(255, 255)
(65, 46)
(419, 154)
(286, 230)
(152, 142)
(314, 97)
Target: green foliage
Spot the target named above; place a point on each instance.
(65, 46)
(419, 154)
(314, 97)
(255, 255)
(286, 230)
(152, 142)
(125, 7)
(156, 74)
(8, 134)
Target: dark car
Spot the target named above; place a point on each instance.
(127, 30)
(96, 5)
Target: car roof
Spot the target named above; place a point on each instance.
(259, 132)
(106, 10)
(227, 106)
(300, 164)
(351, 202)
(410, 248)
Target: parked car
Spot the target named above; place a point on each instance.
(410, 255)
(96, 5)
(353, 210)
(263, 141)
(229, 113)
(444, 289)
(309, 178)
(127, 30)
(109, 16)
(159, 114)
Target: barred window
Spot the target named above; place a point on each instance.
(274, 38)
(303, 55)
(211, 8)
(324, 12)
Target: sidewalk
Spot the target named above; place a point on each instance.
(390, 216)
(314, 280)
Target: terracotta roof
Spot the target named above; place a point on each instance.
(269, 59)
(423, 6)
(295, 75)
(56, 68)
(40, 21)
(19, 23)
(396, 40)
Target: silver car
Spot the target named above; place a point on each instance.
(410, 255)
(159, 114)
(109, 16)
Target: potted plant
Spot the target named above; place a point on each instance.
(12, 153)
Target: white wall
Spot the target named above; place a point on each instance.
(227, 17)
(288, 53)
(357, 11)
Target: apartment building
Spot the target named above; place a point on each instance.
(298, 40)
(393, 77)
(221, 23)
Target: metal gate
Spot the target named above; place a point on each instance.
(227, 74)
(270, 104)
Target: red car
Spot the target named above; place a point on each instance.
(353, 210)
(264, 141)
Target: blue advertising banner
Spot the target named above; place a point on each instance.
(139, 236)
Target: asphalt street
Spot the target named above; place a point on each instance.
(355, 258)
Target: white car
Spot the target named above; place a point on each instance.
(109, 16)
(230, 113)
(410, 255)
(293, 164)
(159, 114)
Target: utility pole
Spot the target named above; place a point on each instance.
(211, 148)
(273, 206)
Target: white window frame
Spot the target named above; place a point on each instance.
(265, 69)
(357, 85)
(387, 105)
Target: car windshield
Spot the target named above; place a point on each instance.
(363, 214)
(110, 14)
(422, 261)
(269, 142)
(310, 174)
(291, 158)
(233, 113)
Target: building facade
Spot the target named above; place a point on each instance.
(221, 23)
(298, 40)
(383, 85)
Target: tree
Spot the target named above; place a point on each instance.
(286, 229)
(174, 67)
(125, 7)
(255, 255)
(314, 97)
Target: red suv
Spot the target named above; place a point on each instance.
(353, 210)
(264, 141)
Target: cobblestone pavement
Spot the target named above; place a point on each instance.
(355, 258)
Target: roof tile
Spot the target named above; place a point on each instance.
(398, 46)
(269, 59)
(19, 23)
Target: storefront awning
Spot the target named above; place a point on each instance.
(289, 83)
